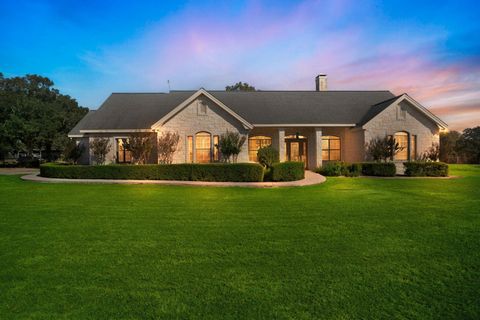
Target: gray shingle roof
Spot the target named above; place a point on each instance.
(141, 110)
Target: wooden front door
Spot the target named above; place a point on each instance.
(297, 150)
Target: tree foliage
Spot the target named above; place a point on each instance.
(72, 151)
(382, 149)
(100, 147)
(448, 143)
(140, 146)
(240, 86)
(35, 116)
(267, 156)
(468, 146)
(167, 146)
(230, 145)
(432, 153)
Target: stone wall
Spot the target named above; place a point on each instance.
(192, 119)
(403, 117)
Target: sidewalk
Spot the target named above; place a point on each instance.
(311, 178)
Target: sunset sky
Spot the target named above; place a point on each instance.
(92, 48)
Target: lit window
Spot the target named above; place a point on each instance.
(216, 155)
(255, 143)
(413, 147)
(123, 155)
(203, 147)
(190, 148)
(331, 149)
(402, 139)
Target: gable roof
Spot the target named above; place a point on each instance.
(194, 96)
(144, 111)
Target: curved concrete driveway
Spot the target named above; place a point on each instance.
(311, 178)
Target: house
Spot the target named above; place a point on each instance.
(309, 126)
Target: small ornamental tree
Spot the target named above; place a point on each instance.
(140, 146)
(268, 156)
(167, 146)
(432, 153)
(100, 148)
(230, 145)
(73, 151)
(382, 149)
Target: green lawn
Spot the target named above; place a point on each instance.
(347, 249)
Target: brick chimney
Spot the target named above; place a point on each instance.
(321, 82)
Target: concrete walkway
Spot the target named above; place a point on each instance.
(311, 178)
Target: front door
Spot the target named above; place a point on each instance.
(297, 150)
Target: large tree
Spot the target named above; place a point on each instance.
(35, 116)
(448, 142)
(468, 146)
(240, 86)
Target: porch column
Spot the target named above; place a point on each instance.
(318, 147)
(281, 144)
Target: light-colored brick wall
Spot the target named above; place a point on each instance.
(190, 121)
(414, 122)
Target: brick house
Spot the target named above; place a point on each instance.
(309, 126)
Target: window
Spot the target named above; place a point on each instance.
(402, 139)
(216, 155)
(255, 143)
(190, 148)
(203, 147)
(123, 155)
(413, 147)
(401, 112)
(331, 150)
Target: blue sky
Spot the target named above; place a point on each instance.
(92, 48)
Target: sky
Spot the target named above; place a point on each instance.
(428, 49)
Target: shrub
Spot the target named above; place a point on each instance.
(267, 156)
(432, 153)
(381, 169)
(335, 169)
(241, 172)
(140, 145)
(230, 144)
(382, 149)
(426, 169)
(167, 146)
(73, 151)
(288, 171)
(100, 148)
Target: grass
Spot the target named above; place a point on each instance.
(347, 249)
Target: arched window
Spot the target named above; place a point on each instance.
(255, 143)
(203, 147)
(402, 139)
(331, 148)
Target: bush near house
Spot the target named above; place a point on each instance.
(239, 172)
(337, 168)
(288, 171)
(426, 169)
(381, 169)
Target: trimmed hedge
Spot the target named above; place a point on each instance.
(337, 168)
(380, 169)
(288, 171)
(426, 169)
(237, 172)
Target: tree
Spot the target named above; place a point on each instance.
(382, 149)
(230, 145)
(140, 146)
(432, 153)
(167, 146)
(100, 147)
(240, 86)
(468, 146)
(448, 146)
(73, 151)
(35, 116)
(267, 156)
